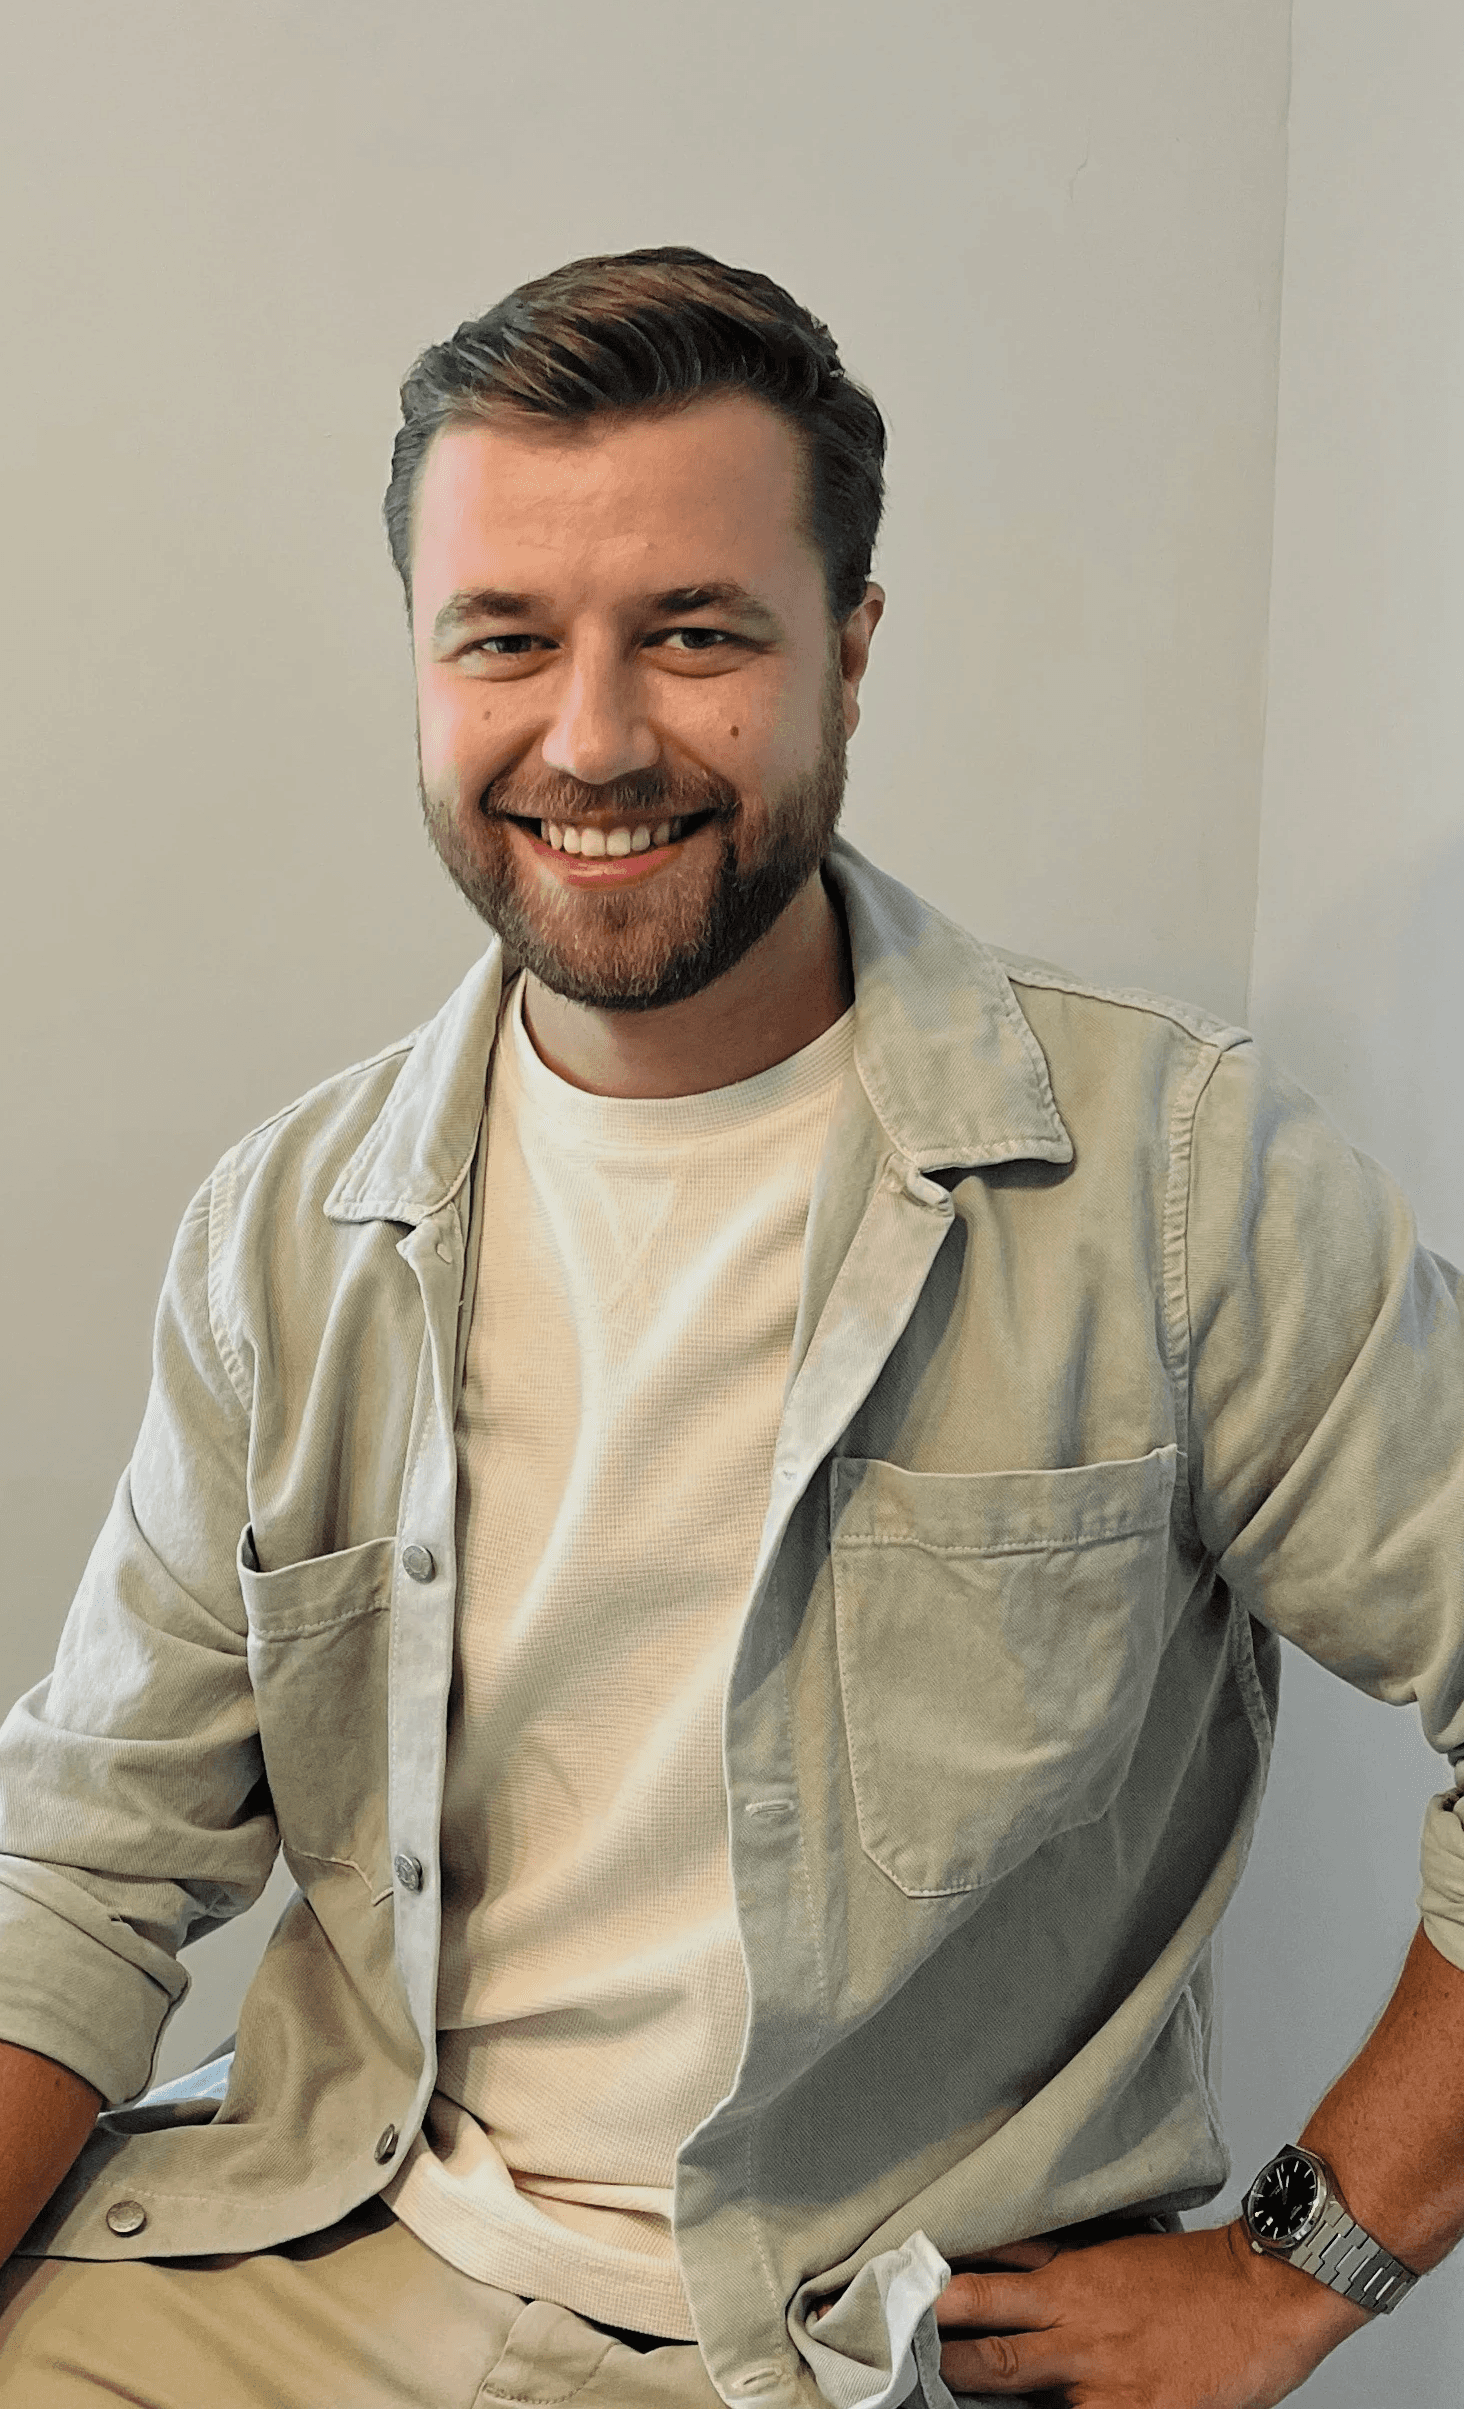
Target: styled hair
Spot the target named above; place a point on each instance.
(634, 330)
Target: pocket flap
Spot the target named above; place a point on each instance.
(1001, 1513)
(302, 1598)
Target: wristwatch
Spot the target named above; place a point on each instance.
(1294, 2211)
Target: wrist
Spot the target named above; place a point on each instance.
(1290, 2301)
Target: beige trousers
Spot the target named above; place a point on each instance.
(361, 2317)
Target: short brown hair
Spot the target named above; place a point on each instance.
(631, 329)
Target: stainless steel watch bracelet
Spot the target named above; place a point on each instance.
(1343, 2255)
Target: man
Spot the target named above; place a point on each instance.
(729, 1502)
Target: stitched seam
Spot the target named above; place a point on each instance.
(806, 1885)
(1240, 1649)
(489, 2391)
(220, 1205)
(420, 1429)
(1007, 1547)
(1179, 1325)
(1218, 1033)
(335, 1622)
(759, 2242)
(864, 1805)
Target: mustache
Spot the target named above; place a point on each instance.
(652, 793)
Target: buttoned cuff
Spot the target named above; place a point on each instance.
(80, 1986)
(1441, 1900)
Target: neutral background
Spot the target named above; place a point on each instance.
(1162, 301)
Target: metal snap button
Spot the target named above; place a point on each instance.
(126, 2216)
(417, 1563)
(408, 1871)
(386, 2145)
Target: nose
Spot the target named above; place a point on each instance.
(602, 732)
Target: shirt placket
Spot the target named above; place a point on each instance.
(874, 1293)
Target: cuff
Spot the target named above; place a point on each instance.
(78, 1985)
(1441, 1900)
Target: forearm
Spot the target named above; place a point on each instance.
(46, 2113)
(1392, 2127)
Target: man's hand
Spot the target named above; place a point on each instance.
(1149, 2321)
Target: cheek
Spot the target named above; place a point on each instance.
(456, 736)
(788, 737)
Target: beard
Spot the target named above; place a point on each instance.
(662, 939)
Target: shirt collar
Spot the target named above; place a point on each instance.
(946, 1055)
(941, 1045)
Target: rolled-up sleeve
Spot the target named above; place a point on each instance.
(1441, 1897)
(1326, 1404)
(134, 1815)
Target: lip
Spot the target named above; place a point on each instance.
(604, 870)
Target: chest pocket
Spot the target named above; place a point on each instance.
(319, 1645)
(998, 1635)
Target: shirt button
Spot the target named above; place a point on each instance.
(408, 1871)
(127, 2216)
(417, 1563)
(386, 2145)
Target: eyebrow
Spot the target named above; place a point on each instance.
(465, 609)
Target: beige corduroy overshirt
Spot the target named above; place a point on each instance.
(1113, 1364)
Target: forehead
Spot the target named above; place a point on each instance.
(716, 486)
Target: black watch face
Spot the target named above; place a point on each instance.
(1284, 2199)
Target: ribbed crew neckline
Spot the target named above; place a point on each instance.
(643, 1120)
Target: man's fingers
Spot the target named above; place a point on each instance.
(1006, 2363)
(1010, 2303)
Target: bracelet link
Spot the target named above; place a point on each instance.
(1350, 2261)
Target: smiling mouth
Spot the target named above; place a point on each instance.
(615, 843)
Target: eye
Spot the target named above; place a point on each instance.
(708, 638)
(484, 642)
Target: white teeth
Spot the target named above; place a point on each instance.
(616, 842)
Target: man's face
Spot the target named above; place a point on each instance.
(570, 681)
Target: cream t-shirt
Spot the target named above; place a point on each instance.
(638, 1282)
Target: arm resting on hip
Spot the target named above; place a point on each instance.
(1186, 2319)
